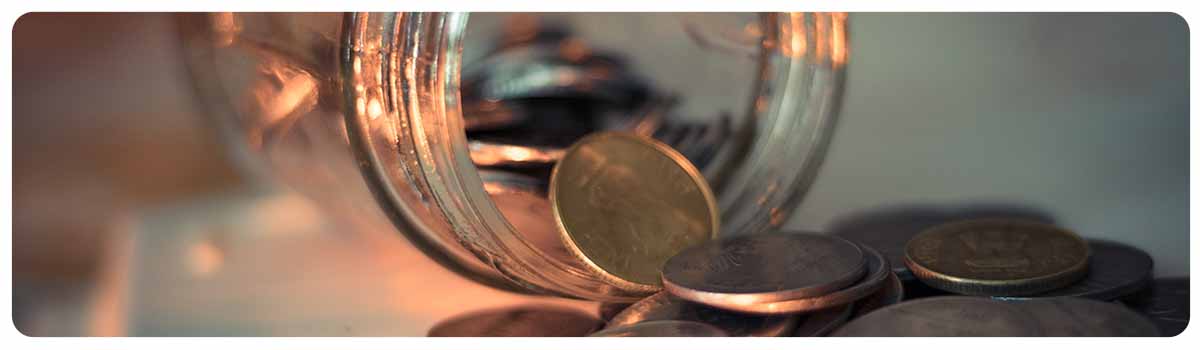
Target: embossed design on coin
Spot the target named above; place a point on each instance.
(1114, 270)
(877, 273)
(1078, 317)
(521, 321)
(994, 257)
(668, 328)
(663, 306)
(954, 316)
(753, 269)
(625, 204)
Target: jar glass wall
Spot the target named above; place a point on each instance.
(389, 120)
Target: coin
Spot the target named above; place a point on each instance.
(821, 322)
(944, 317)
(1078, 317)
(888, 240)
(624, 204)
(742, 272)
(1114, 270)
(521, 321)
(663, 306)
(892, 292)
(668, 328)
(1165, 302)
(610, 310)
(992, 257)
(877, 272)
(487, 154)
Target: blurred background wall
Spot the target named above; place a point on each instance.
(1080, 117)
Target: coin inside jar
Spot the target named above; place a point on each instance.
(624, 204)
(995, 257)
(1114, 270)
(753, 269)
(954, 316)
(520, 321)
(1078, 317)
(663, 306)
(663, 329)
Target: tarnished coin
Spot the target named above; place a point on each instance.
(821, 322)
(1114, 270)
(1165, 301)
(521, 321)
(663, 306)
(624, 204)
(663, 329)
(993, 257)
(892, 292)
(954, 316)
(1078, 317)
(738, 273)
(877, 273)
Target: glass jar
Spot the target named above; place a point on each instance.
(364, 113)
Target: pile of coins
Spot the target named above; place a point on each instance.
(636, 213)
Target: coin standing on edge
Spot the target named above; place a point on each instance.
(663, 306)
(1078, 317)
(997, 257)
(624, 204)
(1165, 301)
(520, 321)
(1114, 270)
(667, 328)
(742, 272)
(954, 316)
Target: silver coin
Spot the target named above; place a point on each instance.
(944, 317)
(663, 306)
(668, 328)
(1165, 301)
(1078, 317)
(1114, 270)
(521, 321)
(755, 269)
(892, 292)
(877, 273)
(821, 322)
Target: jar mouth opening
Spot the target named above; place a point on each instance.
(403, 111)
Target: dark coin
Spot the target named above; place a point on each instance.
(1078, 317)
(663, 306)
(890, 244)
(739, 272)
(953, 316)
(892, 292)
(877, 272)
(914, 289)
(663, 329)
(1165, 302)
(522, 321)
(821, 322)
(994, 257)
(1114, 270)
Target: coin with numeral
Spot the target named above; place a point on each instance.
(997, 257)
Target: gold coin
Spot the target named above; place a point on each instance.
(624, 204)
(991, 257)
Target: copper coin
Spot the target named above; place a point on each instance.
(663, 306)
(668, 328)
(521, 321)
